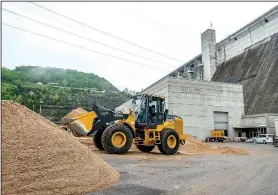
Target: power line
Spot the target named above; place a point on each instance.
(108, 34)
(85, 38)
(88, 49)
(155, 23)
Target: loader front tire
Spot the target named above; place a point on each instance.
(116, 139)
(170, 142)
(97, 139)
(143, 148)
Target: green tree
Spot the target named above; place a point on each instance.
(64, 83)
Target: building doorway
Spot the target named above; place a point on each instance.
(249, 132)
(221, 121)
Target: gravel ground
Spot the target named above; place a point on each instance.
(151, 174)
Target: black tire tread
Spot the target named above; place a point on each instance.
(163, 138)
(143, 148)
(109, 147)
(97, 139)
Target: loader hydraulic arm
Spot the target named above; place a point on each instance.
(103, 120)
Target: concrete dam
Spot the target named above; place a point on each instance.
(257, 70)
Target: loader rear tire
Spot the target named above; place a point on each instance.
(170, 142)
(97, 139)
(116, 139)
(143, 148)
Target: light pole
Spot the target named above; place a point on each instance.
(32, 101)
(41, 106)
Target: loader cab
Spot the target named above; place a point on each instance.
(149, 110)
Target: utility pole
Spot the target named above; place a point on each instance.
(41, 106)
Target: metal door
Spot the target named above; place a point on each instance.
(221, 121)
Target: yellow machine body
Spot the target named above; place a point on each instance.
(152, 136)
(217, 133)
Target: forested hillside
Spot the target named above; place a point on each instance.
(57, 90)
(63, 77)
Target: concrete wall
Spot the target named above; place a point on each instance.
(256, 69)
(195, 102)
(254, 120)
(276, 126)
(270, 123)
(249, 35)
(208, 45)
(124, 107)
(261, 119)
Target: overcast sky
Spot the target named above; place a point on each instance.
(170, 28)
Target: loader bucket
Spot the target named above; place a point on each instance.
(83, 124)
(76, 112)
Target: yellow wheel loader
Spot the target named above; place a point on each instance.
(147, 125)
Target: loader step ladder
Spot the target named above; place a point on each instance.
(138, 141)
(157, 137)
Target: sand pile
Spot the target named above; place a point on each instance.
(72, 114)
(38, 158)
(87, 141)
(229, 150)
(195, 146)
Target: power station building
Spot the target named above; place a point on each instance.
(232, 85)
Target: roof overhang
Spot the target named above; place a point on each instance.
(150, 95)
(247, 126)
(243, 127)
